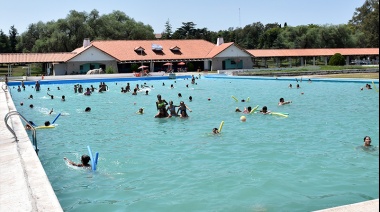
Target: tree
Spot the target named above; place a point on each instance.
(4, 42)
(337, 60)
(13, 39)
(366, 19)
(185, 32)
(167, 34)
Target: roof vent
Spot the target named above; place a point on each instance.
(86, 42)
(175, 48)
(156, 47)
(220, 41)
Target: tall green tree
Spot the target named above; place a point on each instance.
(4, 43)
(13, 39)
(366, 20)
(185, 32)
(167, 34)
(270, 36)
(249, 36)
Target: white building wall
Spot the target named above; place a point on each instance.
(217, 63)
(59, 69)
(92, 54)
(232, 52)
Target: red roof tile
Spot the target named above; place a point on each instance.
(123, 50)
(35, 57)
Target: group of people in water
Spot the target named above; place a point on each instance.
(168, 110)
(164, 109)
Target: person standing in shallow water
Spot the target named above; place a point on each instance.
(37, 86)
(161, 107)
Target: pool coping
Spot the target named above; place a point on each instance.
(24, 185)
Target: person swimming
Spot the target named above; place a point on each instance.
(247, 110)
(141, 111)
(283, 102)
(85, 159)
(264, 110)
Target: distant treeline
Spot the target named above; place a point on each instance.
(65, 35)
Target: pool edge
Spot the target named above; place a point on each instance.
(24, 185)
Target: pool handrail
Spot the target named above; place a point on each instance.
(34, 137)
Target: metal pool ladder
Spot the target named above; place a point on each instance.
(34, 137)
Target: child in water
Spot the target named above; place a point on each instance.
(84, 162)
(141, 111)
(283, 102)
(265, 111)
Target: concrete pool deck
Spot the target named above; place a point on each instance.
(24, 185)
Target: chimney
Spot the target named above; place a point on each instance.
(220, 41)
(86, 42)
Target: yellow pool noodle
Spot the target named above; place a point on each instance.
(254, 109)
(374, 86)
(221, 126)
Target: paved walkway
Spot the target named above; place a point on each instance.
(24, 185)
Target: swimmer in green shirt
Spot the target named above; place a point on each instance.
(161, 107)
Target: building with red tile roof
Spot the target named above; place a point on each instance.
(290, 54)
(123, 56)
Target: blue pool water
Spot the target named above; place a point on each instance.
(305, 162)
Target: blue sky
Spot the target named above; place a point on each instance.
(213, 15)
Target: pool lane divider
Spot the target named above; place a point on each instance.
(94, 161)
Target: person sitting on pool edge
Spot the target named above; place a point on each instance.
(84, 162)
(283, 102)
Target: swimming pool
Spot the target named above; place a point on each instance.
(305, 162)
